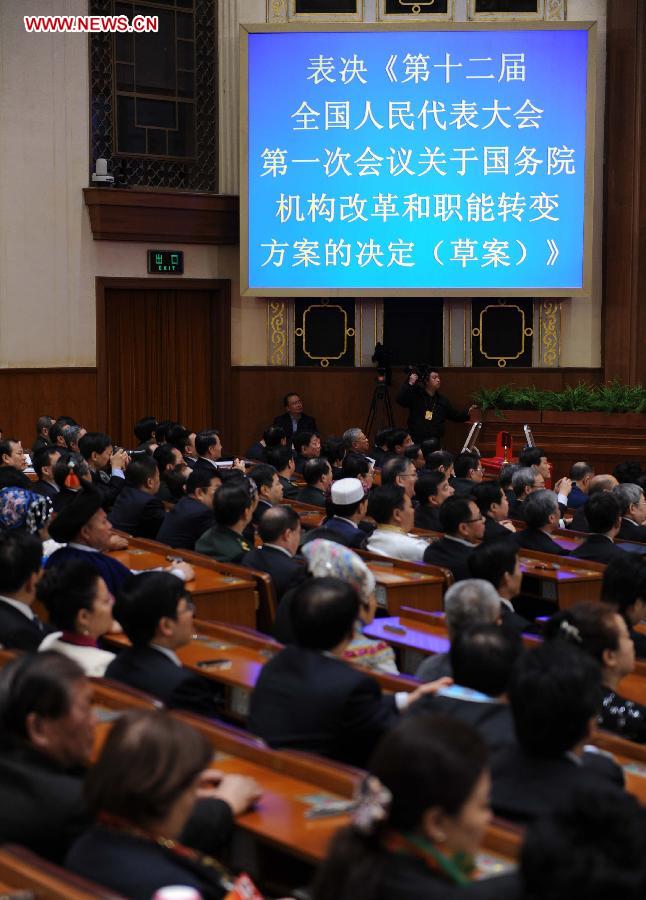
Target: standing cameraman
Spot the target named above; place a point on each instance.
(428, 409)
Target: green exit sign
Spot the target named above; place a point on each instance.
(165, 262)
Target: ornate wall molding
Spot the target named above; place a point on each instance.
(278, 332)
(549, 333)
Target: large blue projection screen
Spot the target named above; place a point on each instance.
(417, 161)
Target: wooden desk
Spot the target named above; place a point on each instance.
(413, 640)
(559, 579)
(401, 583)
(21, 870)
(216, 596)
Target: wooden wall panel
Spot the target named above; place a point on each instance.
(340, 398)
(26, 394)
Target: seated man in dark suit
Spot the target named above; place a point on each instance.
(20, 566)
(270, 490)
(431, 490)
(604, 521)
(581, 474)
(542, 515)
(137, 510)
(463, 527)
(233, 508)
(274, 436)
(179, 437)
(146, 433)
(597, 483)
(380, 449)
(208, 447)
(494, 505)
(43, 424)
(357, 443)
(193, 514)
(497, 562)
(173, 473)
(307, 698)
(482, 658)
(624, 588)
(282, 459)
(348, 505)
(632, 505)
(396, 443)
(13, 464)
(45, 459)
(96, 449)
(48, 726)
(307, 445)
(280, 530)
(524, 482)
(402, 472)
(439, 461)
(555, 693)
(294, 419)
(357, 466)
(155, 611)
(318, 478)
(468, 473)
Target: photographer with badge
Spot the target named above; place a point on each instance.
(428, 409)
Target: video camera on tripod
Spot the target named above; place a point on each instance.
(380, 413)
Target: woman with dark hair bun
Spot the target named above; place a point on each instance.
(602, 632)
(420, 819)
(142, 791)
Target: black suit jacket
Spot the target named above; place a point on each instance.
(463, 486)
(260, 510)
(494, 531)
(535, 539)
(525, 788)
(17, 632)
(137, 513)
(631, 532)
(108, 486)
(451, 555)
(513, 621)
(12, 477)
(407, 878)
(313, 495)
(579, 521)
(492, 720)
(305, 423)
(290, 491)
(286, 572)
(428, 517)
(151, 671)
(185, 523)
(204, 464)
(597, 548)
(304, 700)
(45, 489)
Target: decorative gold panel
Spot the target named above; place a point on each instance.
(277, 333)
(550, 333)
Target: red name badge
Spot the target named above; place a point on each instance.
(244, 889)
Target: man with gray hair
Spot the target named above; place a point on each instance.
(466, 604)
(356, 442)
(542, 514)
(632, 507)
(524, 482)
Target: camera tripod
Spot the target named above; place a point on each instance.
(380, 413)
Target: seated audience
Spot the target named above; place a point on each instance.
(71, 472)
(208, 447)
(379, 450)
(141, 792)
(20, 568)
(146, 433)
(308, 698)
(494, 506)
(347, 506)
(280, 531)
(179, 437)
(173, 473)
(497, 562)
(294, 419)
(542, 515)
(397, 442)
(79, 605)
(400, 471)
(603, 634)
(463, 527)
(307, 445)
(138, 510)
(318, 478)
(624, 588)
(357, 443)
(554, 695)
(327, 559)
(44, 460)
(524, 481)
(13, 464)
(282, 459)
(391, 508)
(274, 436)
(72, 435)
(468, 472)
(233, 507)
(355, 466)
(505, 476)
(270, 490)
(597, 484)
(43, 424)
(594, 850)
(333, 449)
(536, 458)
(482, 658)
(421, 816)
(469, 603)
(431, 490)
(156, 613)
(414, 453)
(57, 433)
(581, 474)
(440, 461)
(604, 522)
(193, 514)
(632, 506)
(97, 450)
